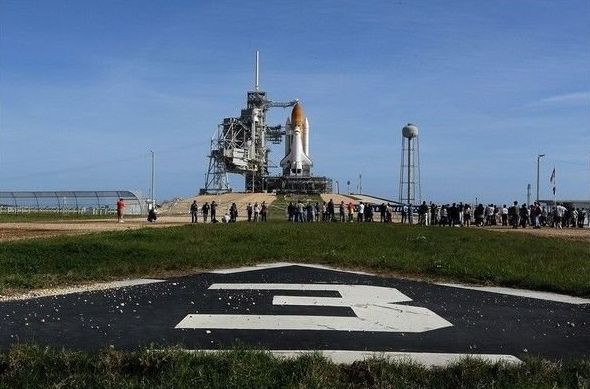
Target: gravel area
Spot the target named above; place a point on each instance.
(77, 289)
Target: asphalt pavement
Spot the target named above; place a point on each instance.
(300, 308)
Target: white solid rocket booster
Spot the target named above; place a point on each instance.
(296, 161)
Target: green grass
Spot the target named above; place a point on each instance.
(34, 366)
(471, 255)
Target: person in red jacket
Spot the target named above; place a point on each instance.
(120, 210)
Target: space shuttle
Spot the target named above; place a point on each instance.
(296, 161)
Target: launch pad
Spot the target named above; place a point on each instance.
(241, 146)
(294, 184)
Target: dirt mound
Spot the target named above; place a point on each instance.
(337, 198)
(369, 199)
(224, 201)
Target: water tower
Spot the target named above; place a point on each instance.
(409, 175)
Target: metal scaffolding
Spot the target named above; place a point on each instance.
(240, 144)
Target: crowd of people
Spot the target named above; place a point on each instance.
(256, 212)
(536, 215)
(456, 214)
(300, 212)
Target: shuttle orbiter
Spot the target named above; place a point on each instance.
(296, 161)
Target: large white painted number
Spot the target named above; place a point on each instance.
(374, 307)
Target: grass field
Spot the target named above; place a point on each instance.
(470, 255)
(26, 366)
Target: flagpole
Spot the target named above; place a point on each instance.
(554, 187)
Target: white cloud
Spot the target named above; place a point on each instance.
(577, 98)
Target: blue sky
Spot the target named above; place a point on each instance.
(87, 88)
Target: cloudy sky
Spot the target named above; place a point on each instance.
(87, 88)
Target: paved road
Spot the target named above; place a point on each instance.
(463, 321)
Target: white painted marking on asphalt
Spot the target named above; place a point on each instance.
(80, 289)
(547, 296)
(373, 306)
(351, 356)
(264, 266)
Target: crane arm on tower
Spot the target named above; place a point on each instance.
(276, 104)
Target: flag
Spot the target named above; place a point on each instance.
(553, 191)
(552, 179)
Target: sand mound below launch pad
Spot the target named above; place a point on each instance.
(224, 201)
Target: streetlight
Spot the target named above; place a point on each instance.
(153, 201)
(538, 163)
(360, 183)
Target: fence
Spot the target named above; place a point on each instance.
(80, 202)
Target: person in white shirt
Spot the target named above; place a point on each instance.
(361, 212)
(504, 213)
(559, 212)
(256, 210)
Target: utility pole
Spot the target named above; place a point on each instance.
(360, 183)
(528, 194)
(153, 201)
(539, 156)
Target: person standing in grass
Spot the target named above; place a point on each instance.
(350, 212)
(213, 211)
(513, 215)
(300, 217)
(263, 211)
(433, 214)
(524, 215)
(341, 212)
(120, 210)
(331, 213)
(467, 215)
(382, 212)
(256, 212)
(536, 215)
(422, 211)
(558, 215)
(194, 210)
(504, 215)
(249, 211)
(544, 215)
(309, 212)
(361, 212)
(205, 211)
(233, 213)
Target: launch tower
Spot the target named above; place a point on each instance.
(240, 144)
